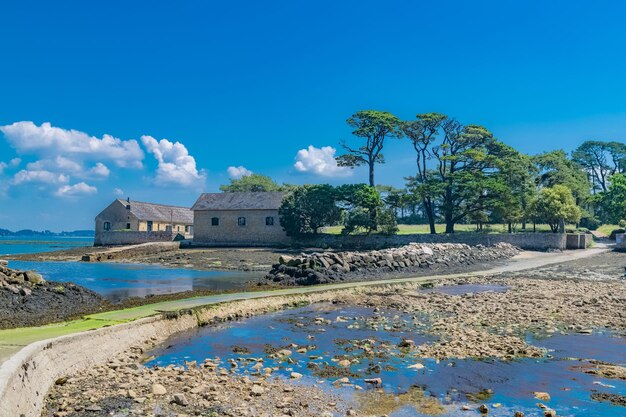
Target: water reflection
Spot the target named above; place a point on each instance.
(117, 281)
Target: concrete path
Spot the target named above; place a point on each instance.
(12, 340)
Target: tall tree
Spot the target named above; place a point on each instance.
(555, 168)
(611, 204)
(466, 161)
(251, 183)
(374, 127)
(601, 160)
(422, 133)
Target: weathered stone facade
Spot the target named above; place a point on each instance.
(238, 219)
(129, 222)
(228, 231)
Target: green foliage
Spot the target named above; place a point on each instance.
(387, 221)
(555, 206)
(601, 160)
(361, 203)
(611, 204)
(307, 208)
(554, 168)
(374, 127)
(251, 183)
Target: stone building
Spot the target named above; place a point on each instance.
(126, 222)
(238, 219)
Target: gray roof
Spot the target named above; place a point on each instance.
(159, 212)
(239, 201)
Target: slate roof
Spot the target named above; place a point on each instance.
(239, 201)
(159, 212)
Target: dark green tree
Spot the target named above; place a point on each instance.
(361, 204)
(422, 133)
(601, 160)
(374, 127)
(305, 209)
(611, 204)
(251, 183)
(555, 168)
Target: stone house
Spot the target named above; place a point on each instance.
(238, 219)
(126, 222)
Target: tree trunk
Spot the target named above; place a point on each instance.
(510, 227)
(430, 213)
(371, 167)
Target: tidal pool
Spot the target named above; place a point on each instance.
(411, 386)
(117, 281)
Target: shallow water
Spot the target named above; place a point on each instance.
(117, 281)
(14, 245)
(438, 389)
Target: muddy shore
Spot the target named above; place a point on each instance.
(474, 325)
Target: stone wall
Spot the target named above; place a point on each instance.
(123, 253)
(229, 233)
(113, 238)
(527, 241)
(327, 267)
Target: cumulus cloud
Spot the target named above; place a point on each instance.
(11, 164)
(39, 176)
(320, 161)
(118, 191)
(78, 189)
(238, 172)
(58, 164)
(175, 165)
(100, 170)
(48, 142)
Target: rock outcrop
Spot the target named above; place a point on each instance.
(27, 299)
(327, 267)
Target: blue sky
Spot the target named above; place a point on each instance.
(250, 84)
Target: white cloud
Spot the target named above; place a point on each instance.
(118, 191)
(58, 164)
(238, 172)
(48, 142)
(80, 188)
(320, 161)
(100, 170)
(11, 164)
(39, 176)
(176, 166)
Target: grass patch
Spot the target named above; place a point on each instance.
(606, 229)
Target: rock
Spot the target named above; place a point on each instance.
(519, 414)
(543, 396)
(351, 412)
(374, 381)
(344, 363)
(131, 394)
(158, 389)
(483, 409)
(33, 277)
(406, 343)
(549, 413)
(180, 399)
(93, 407)
(257, 390)
(295, 375)
(416, 366)
(61, 381)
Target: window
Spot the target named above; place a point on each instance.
(107, 226)
(150, 225)
(241, 221)
(186, 229)
(215, 221)
(269, 221)
(128, 226)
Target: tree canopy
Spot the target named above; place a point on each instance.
(251, 183)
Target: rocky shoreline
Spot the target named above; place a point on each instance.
(481, 325)
(327, 267)
(26, 299)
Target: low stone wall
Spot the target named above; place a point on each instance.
(327, 267)
(27, 376)
(135, 250)
(527, 241)
(113, 238)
